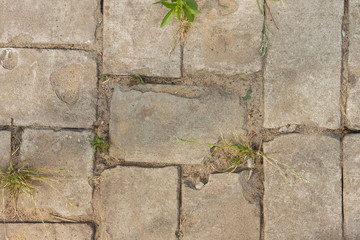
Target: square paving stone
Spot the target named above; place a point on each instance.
(352, 186)
(225, 38)
(134, 43)
(353, 103)
(139, 203)
(5, 149)
(302, 73)
(53, 22)
(39, 231)
(47, 87)
(297, 209)
(219, 210)
(69, 151)
(144, 121)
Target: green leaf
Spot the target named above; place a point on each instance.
(193, 11)
(192, 4)
(169, 5)
(140, 80)
(247, 97)
(178, 14)
(159, 2)
(249, 91)
(189, 15)
(168, 17)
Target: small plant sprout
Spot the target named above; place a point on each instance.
(102, 77)
(248, 94)
(140, 79)
(99, 144)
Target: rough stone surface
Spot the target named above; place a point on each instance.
(145, 120)
(219, 211)
(139, 203)
(68, 150)
(300, 210)
(353, 110)
(5, 148)
(135, 44)
(52, 22)
(352, 186)
(37, 231)
(225, 38)
(302, 74)
(47, 87)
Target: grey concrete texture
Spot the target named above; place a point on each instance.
(302, 73)
(353, 101)
(225, 38)
(295, 209)
(139, 203)
(144, 121)
(351, 191)
(38, 231)
(5, 149)
(66, 156)
(54, 88)
(134, 43)
(52, 22)
(219, 210)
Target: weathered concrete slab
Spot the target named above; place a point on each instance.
(219, 211)
(134, 43)
(53, 22)
(144, 121)
(302, 74)
(225, 38)
(353, 110)
(69, 151)
(300, 210)
(5, 149)
(36, 231)
(139, 203)
(351, 186)
(47, 87)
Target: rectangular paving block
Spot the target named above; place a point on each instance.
(38, 231)
(302, 73)
(145, 120)
(54, 22)
(353, 102)
(134, 43)
(47, 87)
(69, 151)
(351, 186)
(225, 38)
(5, 149)
(296, 209)
(139, 203)
(219, 210)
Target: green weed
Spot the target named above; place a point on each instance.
(102, 77)
(248, 94)
(99, 144)
(139, 78)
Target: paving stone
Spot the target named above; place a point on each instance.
(67, 150)
(144, 121)
(47, 87)
(353, 111)
(225, 38)
(297, 209)
(351, 186)
(302, 73)
(134, 43)
(5, 148)
(53, 22)
(139, 203)
(219, 210)
(37, 231)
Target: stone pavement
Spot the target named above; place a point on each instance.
(67, 74)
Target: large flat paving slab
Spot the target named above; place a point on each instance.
(134, 43)
(302, 73)
(225, 38)
(351, 186)
(145, 119)
(297, 209)
(139, 203)
(5, 149)
(37, 231)
(47, 87)
(53, 22)
(70, 152)
(219, 210)
(353, 103)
